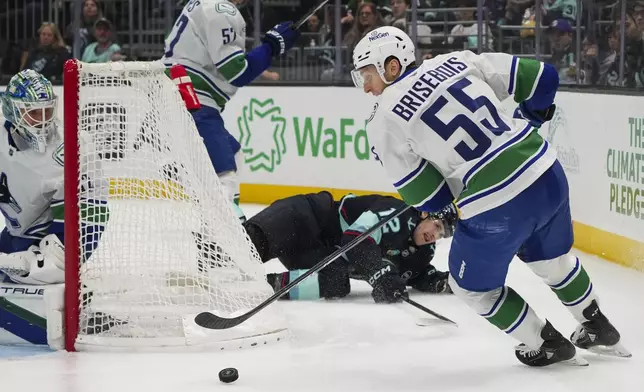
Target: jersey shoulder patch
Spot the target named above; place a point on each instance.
(224, 7)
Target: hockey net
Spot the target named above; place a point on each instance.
(151, 238)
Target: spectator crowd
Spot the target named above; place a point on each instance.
(104, 33)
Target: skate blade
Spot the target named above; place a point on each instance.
(575, 361)
(617, 350)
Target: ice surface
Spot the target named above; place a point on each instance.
(355, 345)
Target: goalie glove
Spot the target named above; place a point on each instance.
(44, 264)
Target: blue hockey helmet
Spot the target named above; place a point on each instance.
(29, 103)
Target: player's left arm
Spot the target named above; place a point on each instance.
(533, 83)
(417, 180)
(236, 66)
(366, 257)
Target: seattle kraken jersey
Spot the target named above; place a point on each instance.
(442, 134)
(209, 40)
(359, 213)
(31, 187)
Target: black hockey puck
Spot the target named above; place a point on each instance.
(228, 375)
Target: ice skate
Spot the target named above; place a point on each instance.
(598, 335)
(554, 349)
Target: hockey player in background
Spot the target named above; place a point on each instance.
(304, 229)
(209, 41)
(31, 183)
(441, 133)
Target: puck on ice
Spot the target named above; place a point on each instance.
(228, 375)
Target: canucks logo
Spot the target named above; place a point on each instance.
(7, 199)
(262, 116)
(5, 195)
(59, 155)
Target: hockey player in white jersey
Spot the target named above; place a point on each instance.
(209, 41)
(442, 135)
(31, 182)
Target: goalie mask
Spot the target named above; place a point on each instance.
(29, 103)
(379, 45)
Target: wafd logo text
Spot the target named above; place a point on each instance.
(304, 136)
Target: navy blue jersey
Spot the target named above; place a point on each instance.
(393, 243)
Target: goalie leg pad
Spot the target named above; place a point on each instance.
(568, 279)
(504, 308)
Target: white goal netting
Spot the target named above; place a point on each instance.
(159, 241)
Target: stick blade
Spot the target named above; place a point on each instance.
(212, 321)
(430, 322)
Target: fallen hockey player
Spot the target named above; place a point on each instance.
(301, 230)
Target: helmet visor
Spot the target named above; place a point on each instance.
(358, 80)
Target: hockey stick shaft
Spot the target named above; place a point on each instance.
(211, 321)
(308, 16)
(426, 310)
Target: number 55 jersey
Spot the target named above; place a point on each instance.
(442, 133)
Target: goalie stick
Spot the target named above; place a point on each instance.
(212, 321)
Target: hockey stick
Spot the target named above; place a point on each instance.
(426, 310)
(212, 321)
(299, 23)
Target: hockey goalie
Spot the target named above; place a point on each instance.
(32, 254)
(31, 183)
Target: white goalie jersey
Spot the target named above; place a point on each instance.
(209, 40)
(31, 190)
(442, 133)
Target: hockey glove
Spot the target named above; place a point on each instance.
(536, 118)
(43, 264)
(387, 286)
(281, 38)
(433, 281)
(180, 77)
